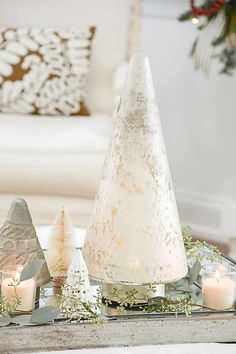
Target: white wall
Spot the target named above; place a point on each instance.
(198, 119)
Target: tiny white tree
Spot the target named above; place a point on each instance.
(77, 279)
(61, 247)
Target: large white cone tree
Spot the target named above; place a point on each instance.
(134, 236)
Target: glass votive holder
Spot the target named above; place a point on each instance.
(219, 286)
(12, 289)
(58, 281)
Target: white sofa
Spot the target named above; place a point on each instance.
(55, 161)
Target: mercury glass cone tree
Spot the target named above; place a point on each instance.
(134, 235)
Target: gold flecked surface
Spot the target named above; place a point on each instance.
(134, 234)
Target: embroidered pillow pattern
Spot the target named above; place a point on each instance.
(44, 71)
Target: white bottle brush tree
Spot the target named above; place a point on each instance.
(61, 247)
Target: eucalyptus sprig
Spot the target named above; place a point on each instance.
(181, 304)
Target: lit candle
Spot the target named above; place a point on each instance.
(219, 289)
(25, 290)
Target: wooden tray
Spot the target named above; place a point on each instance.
(122, 332)
(132, 328)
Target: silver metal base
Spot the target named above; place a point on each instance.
(143, 292)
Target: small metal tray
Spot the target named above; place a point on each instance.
(111, 313)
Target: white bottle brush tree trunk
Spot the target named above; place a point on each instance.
(61, 248)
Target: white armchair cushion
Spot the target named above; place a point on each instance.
(20, 133)
(45, 156)
(58, 174)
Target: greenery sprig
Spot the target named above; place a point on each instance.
(199, 250)
(74, 307)
(7, 307)
(225, 39)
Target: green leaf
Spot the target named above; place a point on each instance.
(31, 269)
(232, 21)
(182, 285)
(5, 320)
(185, 288)
(45, 314)
(21, 320)
(185, 16)
(192, 52)
(179, 283)
(194, 272)
(156, 300)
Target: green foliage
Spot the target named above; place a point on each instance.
(199, 250)
(166, 304)
(43, 294)
(8, 307)
(44, 314)
(22, 320)
(74, 308)
(124, 300)
(228, 58)
(5, 320)
(187, 15)
(31, 269)
(194, 272)
(159, 304)
(226, 41)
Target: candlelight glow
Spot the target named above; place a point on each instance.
(221, 268)
(217, 275)
(218, 288)
(17, 276)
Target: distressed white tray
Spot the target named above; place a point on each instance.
(122, 332)
(133, 328)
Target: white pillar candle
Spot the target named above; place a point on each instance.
(218, 291)
(25, 290)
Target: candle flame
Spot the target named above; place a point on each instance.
(221, 268)
(17, 276)
(217, 276)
